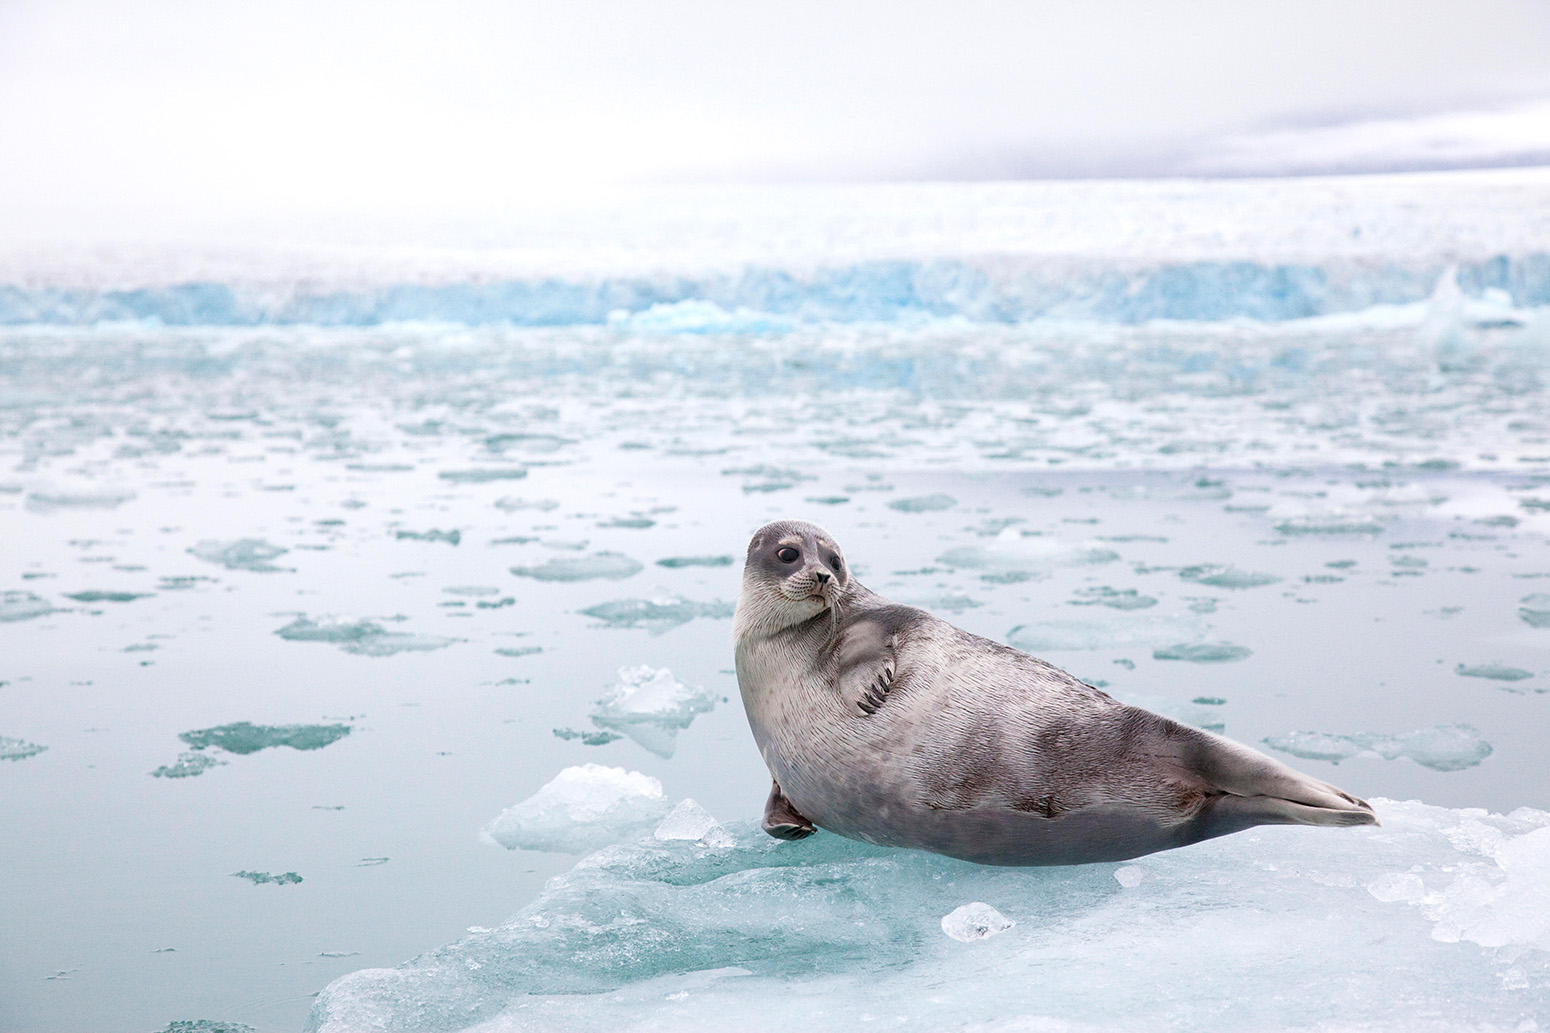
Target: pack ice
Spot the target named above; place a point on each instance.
(1438, 920)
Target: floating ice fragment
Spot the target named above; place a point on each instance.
(513, 504)
(765, 478)
(264, 878)
(651, 707)
(1496, 672)
(1143, 630)
(188, 765)
(79, 498)
(690, 821)
(611, 565)
(371, 862)
(1114, 598)
(519, 651)
(695, 561)
(1203, 652)
(581, 808)
(362, 637)
(1130, 876)
(951, 602)
(22, 606)
(1534, 610)
(1013, 557)
(656, 615)
(598, 738)
(98, 596)
(18, 749)
(976, 921)
(206, 1026)
(472, 590)
(1443, 748)
(451, 537)
(924, 503)
(1226, 577)
(242, 554)
(243, 737)
(484, 475)
(1330, 524)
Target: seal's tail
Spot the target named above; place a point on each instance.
(1255, 786)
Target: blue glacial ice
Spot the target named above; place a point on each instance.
(661, 932)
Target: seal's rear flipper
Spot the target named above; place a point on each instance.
(781, 819)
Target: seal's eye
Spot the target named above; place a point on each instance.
(787, 555)
(837, 565)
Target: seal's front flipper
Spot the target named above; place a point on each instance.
(781, 820)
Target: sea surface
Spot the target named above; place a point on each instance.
(310, 586)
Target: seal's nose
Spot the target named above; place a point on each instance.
(823, 577)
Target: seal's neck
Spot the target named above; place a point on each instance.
(763, 612)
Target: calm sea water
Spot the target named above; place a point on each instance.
(1325, 527)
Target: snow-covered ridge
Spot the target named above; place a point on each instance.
(757, 299)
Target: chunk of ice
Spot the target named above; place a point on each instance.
(827, 932)
(362, 637)
(206, 1026)
(242, 554)
(924, 503)
(976, 921)
(582, 808)
(1495, 672)
(695, 561)
(1534, 610)
(23, 606)
(188, 765)
(656, 615)
(77, 498)
(451, 537)
(1443, 748)
(1114, 598)
(244, 737)
(1013, 557)
(1203, 652)
(651, 707)
(18, 749)
(611, 565)
(1130, 876)
(484, 475)
(99, 596)
(690, 821)
(1226, 577)
(265, 879)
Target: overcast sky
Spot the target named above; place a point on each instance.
(149, 109)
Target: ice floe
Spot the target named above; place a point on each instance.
(18, 749)
(1013, 557)
(1534, 610)
(612, 566)
(580, 809)
(188, 765)
(1493, 671)
(1443, 748)
(245, 737)
(923, 503)
(362, 637)
(835, 935)
(657, 615)
(48, 500)
(242, 554)
(1226, 576)
(266, 879)
(22, 606)
(1203, 652)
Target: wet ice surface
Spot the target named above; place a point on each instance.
(1329, 533)
(1434, 921)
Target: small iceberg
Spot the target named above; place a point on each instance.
(924, 503)
(78, 498)
(1534, 610)
(1495, 672)
(244, 737)
(651, 706)
(265, 879)
(1226, 576)
(1444, 748)
(188, 765)
(580, 809)
(1203, 652)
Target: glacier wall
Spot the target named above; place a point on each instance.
(761, 299)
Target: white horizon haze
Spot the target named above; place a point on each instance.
(170, 115)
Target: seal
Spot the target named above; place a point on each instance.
(886, 724)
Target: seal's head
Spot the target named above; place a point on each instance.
(794, 572)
